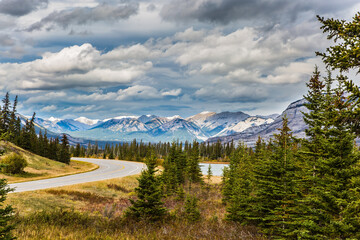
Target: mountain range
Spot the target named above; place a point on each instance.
(205, 126)
(151, 128)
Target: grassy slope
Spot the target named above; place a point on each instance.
(95, 210)
(40, 167)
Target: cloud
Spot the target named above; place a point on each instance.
(49, 108)
(75, 66)
(21, 7)
(85, 15)
(245, 55)
(226, 11)
(173, 92)
(6, 40)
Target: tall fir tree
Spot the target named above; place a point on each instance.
(193, 171)
(149, 205)
(275, 200)
(64, 154)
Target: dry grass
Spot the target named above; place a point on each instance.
(95, 211)
(40, 167)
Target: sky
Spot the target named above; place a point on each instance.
(102, 59)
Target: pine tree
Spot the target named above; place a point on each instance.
(275, 200)
(6, 213)
(192, 211)
(241, 187)
(64, 154)
(194, 174)
(332, 166)
(148, 206)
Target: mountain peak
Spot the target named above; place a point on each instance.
(54, 120)
(87, 121)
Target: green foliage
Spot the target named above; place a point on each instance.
(192, 212)
(64, 153)
(13, 163)
(148, 205)
(343, 56)
(332, 166)
(193, 172)
(6, 213)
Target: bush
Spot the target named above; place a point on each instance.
(13, 163)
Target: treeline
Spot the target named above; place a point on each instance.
(137, 151)
(308, 188)
(24, 135)
(289, 188)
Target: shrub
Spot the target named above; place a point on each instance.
(13, 163)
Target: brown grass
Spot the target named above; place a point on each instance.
(95, 211)
(40, 167)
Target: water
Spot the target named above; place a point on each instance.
(217, 169)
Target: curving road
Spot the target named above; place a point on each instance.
(107, 169)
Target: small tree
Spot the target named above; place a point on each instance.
(64, 154)
(6, 213)
(192, 211)
(148, 206)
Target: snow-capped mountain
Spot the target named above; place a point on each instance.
(294, 113)
(154, 128)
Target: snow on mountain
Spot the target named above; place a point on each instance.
(121, 117)
(294, 113)
(180, 129)
(54, 120)
(156, 122)
(123, 125)
(87, 121)
(146, 118)
(214, 123)
(243, 125)
(199, 119)
(153, 128)
(173, 117)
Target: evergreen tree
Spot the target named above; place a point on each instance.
(148, 206)
(194, 174)
(64, 154)
(6, 213)
(276, 196)
(240, 187)
(332, 170)
(192, 211)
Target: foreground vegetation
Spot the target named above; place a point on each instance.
(96, 211)
(39, 167)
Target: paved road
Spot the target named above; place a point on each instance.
(107, 169)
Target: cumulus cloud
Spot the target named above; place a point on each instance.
(21, 7)
(85, 15)
(75, 66)
(245, 55)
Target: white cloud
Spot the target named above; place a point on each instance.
(173, 92)
(75, 66)
(49, 108)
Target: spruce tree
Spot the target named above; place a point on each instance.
(331, 169)
(192, 212)
(148, 205)
(64, 154)
(239, 198)
(6, 213)
(275, 200)
(194, 174)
